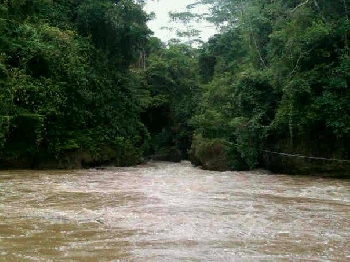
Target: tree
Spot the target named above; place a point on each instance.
(279, 69)
(172, 80)
(68, 90)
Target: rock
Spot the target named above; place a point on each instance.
(209, 153)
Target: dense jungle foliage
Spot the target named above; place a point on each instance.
(84, 83)
(276, 79)
(67, 91)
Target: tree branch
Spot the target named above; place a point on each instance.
(296, 65)
(253, 37)
(300, 5)
(346, 40)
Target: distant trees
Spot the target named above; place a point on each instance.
(85, 79)
(172, 78)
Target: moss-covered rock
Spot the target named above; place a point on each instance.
(73, 159)
(211, 154)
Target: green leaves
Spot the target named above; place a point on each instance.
(117, 29)
(173, 85)
(277, 78)
(66, 65)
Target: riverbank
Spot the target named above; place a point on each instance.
(273, 165)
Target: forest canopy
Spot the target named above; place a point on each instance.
(66, 84)
(85, 83)
(276, 80)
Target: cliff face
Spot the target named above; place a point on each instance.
(307, 155)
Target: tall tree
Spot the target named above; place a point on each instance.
(68, 88)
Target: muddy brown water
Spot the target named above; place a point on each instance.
(172, 212)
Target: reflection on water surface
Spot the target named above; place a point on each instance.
(172, 212)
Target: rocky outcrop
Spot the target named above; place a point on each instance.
(71, 160)
(211, 154)
(305, 157)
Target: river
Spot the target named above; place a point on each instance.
(172, 212)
